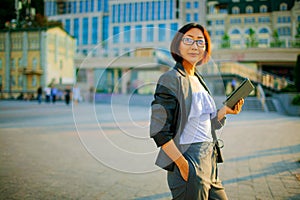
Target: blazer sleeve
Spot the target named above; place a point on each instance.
(163, 111)
(216, 124)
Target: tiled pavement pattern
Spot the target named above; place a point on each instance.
(55, 152)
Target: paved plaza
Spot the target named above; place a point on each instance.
(103, 151)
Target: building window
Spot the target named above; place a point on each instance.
(188, 5)
(154, 11)
(138, 33)
(188, 17)
(264, 41)
(114, 14)
(74, 7)
(219, 22)
(284, 31)
(116, 36)
(68, 25)
(235, 32)
(99, 5)
(235, 21)
(76, 29)
(81, 7)
(13, 63)
(136, 12)
(95, 30)
(263, 19)
(249, 9)
(85, 30)
(249, 20)
(92, 5)
(86, 6)
(284, 19)
(263, 31)
(33, 83)
(105, 29)
(174, 27)
(235, 10)
(150, 33)
(235, 42)
(34, 63)
(263, 9)
(165, 10)
(162, 32)
(142, 11)
(20, 80)
(220, 32)
(159, 10)
(196, 17)
(119, 13)
(247, 31)
(20, 62)
(124, 12)
(126, 34)
(196, 4)
(283, 7)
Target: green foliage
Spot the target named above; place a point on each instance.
(276, 41)
(251, 40)
(296, 44)
(296, 100)
(225, 41)
(289, 88)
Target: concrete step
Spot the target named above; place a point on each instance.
(253, 104)
(270, 104)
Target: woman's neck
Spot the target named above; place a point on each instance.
(189, 68)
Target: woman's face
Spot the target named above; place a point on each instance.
(192, 47)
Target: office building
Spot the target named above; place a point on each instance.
(122, 29)
(122, 43)
(253, 23)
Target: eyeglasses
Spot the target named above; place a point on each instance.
(190, 41)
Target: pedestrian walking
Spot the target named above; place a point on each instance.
(184, 119)
(39, 94)
(53, 94)
(76, 94)
(47, 94)
(67, 95)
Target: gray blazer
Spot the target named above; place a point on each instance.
(170, 110)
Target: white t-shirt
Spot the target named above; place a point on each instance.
(203, 108)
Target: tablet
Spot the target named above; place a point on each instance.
(241, 92)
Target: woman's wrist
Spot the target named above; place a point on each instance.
(180, 161)
(222, 113)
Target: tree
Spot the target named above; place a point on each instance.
(251, 40)
(225, 41)
(276, 41)
(297, 37)
(8, 12)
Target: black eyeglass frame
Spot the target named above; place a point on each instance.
(199, 43)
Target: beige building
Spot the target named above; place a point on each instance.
(253, 23)
(35, 57)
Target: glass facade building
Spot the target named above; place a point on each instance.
(123, 25)
(126, 29)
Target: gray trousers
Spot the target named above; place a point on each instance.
(203, 182)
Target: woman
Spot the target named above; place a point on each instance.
(184, 118)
